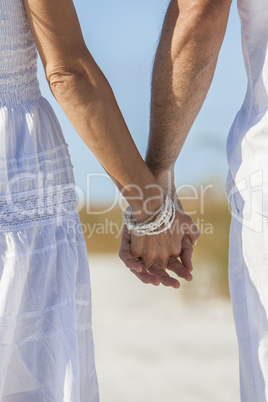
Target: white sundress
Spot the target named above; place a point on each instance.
(46, 344)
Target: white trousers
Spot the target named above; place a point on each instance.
(248, 278)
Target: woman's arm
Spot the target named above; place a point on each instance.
(87, 98)
(88, 101)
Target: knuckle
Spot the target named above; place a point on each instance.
(189, 220)
(186, 241)
(174, 252)
(197, 232)
(189, 226)
(194, 227)
(136, 252)
(164, 257)
(176, 245)
(134, 255)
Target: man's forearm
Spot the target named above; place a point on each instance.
(185, 62)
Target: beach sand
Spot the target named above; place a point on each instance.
(155, 344)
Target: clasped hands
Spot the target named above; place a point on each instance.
(151, 257)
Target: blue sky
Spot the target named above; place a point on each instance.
(122, 36)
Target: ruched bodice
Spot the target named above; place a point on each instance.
(18, 67)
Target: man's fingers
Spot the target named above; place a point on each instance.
(178, 268)
(157, 275)
(145, 277)
(163, 276)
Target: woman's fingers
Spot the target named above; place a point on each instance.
(191, 230)
(186, 253)
(125, 253)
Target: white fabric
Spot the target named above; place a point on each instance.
(247, 143)
(248, 278)
(46, 343)
(247, 190)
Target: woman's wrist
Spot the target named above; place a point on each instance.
(151, 199)
(158, 222)
(147, 195)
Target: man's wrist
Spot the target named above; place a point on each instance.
(165, 178)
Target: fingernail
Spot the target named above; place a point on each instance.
(138, 269)
(195, 242)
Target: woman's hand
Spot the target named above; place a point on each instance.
(150, 257)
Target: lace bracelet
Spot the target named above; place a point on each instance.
(164, 217)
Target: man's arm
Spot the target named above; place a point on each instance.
(185, 62)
